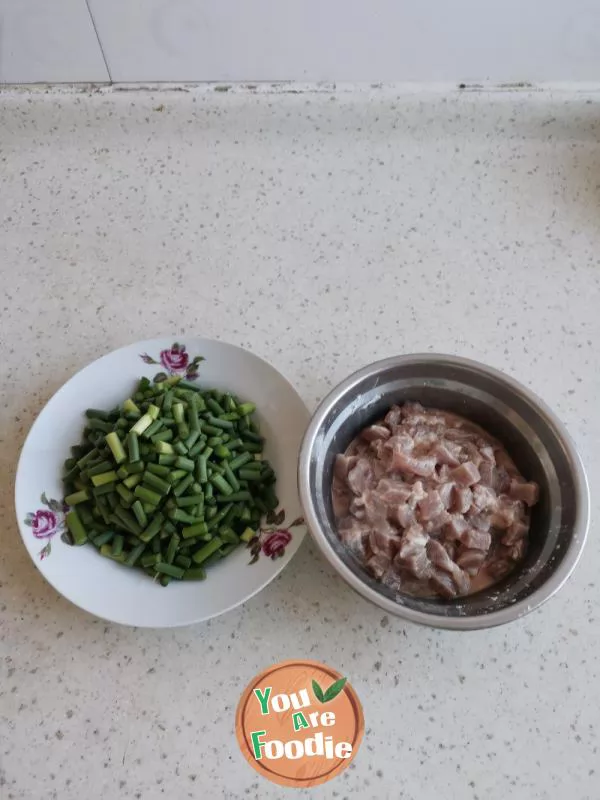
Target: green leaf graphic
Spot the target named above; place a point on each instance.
(45, 551)
(279, 517)
(318, 692)
(334, 690)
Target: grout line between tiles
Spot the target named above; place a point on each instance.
(87, 3)
(292, 87)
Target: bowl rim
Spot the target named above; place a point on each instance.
(520, 608)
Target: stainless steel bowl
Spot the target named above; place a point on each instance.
(534, 437)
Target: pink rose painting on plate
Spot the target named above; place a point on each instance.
(272, 540)
(176, 362)
(45, 523)
(275, 543)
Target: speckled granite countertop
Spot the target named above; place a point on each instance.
(321, 231)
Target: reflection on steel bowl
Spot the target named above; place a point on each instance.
(530, 432)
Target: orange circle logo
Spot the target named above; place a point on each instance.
(299, 723)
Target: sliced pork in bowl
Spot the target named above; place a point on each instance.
(444, 491)
(434, 478)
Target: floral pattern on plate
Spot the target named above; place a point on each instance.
(272, 539)
(175, 360)
(45, 523)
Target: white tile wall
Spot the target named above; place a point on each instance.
(350, 40)
(304, 40)
(48, 41)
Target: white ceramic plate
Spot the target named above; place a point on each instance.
(128, 596)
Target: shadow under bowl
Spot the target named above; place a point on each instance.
(533, 436)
